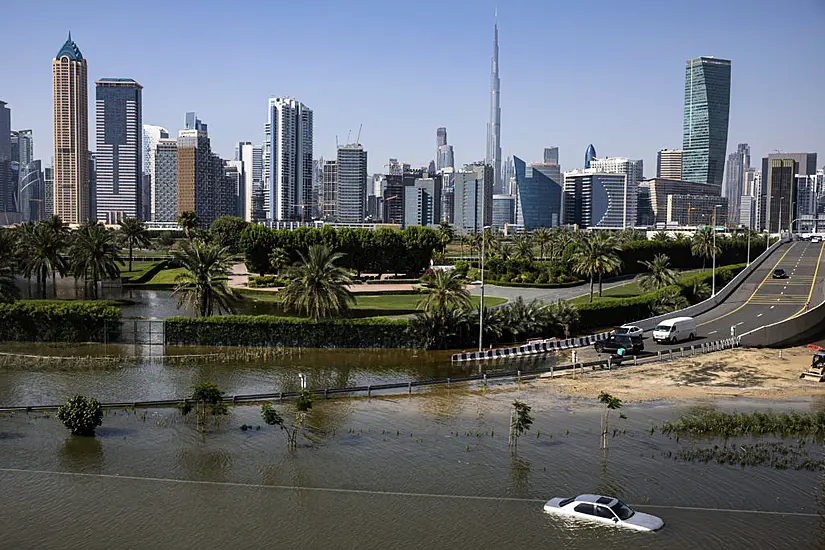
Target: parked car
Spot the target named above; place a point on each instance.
(675, 330)
(816, 239)
(604, 510)
(632, 345)
(631, 330)
(779, 273)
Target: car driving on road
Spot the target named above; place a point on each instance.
(779, 273)
(631, 344)
(631, 330)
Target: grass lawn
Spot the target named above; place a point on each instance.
(628, 290)
(166, 276)
(138, 268)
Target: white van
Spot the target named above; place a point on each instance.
(673, 330)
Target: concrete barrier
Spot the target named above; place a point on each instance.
(801, 329)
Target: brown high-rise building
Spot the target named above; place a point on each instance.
(71, 134)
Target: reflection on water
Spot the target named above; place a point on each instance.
(81, 454)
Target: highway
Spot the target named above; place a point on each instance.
(762, 300)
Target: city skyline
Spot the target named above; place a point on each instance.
(656, 104)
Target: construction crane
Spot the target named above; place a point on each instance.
(303, 207)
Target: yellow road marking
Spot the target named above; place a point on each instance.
(813, 283)
(770, 271)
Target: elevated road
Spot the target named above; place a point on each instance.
(762, 300)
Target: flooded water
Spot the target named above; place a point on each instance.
(428, 471)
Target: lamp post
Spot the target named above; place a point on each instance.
(767, 240)
(481, 303)
(749, 247)
(713, 289)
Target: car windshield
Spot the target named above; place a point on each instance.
(623, 339)
(663, 328)
(622, 330)
(622, 510)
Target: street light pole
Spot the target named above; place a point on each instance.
(713, 289)
(749, 247)
(481, 303)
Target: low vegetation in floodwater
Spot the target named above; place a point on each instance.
(712, 423)
(774, 454)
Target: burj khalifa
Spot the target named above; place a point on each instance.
(494, 126)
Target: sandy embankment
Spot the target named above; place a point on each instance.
(752, 373)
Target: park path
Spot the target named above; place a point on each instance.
(546, 295)
(239, 278)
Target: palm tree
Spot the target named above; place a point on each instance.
(188, 220)
(42, 257)
(8, 244)
(317, 286)
(134, 233)
(445, 289)
(661, 236)
(542, 237)
(202, 287)
(440, 329)
(596, 255)
(56, 225)
(565, 315)
(445, 234)
(659, 274)
(524, 246)
(702, 245)
(279, 259)
(94, 253)
(525, 319)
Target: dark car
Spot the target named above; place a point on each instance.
(631, 344)
(779, 273)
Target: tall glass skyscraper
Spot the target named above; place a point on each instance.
(289, 138)
(705, 129)
(538, 195)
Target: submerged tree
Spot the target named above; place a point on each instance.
(81, 415)
(208, 401)
(610, 403)
(273, 417)
(520, 421)
(94, 254)
(203, 286)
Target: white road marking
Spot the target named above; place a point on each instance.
(742, 323)
(774, 306)
(760, 315)
(712, 332)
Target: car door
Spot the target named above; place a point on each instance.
(606, 515)
(584, 510)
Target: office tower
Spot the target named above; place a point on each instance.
(394, 191)
(91, 188)
(8, 184)
(194, 189)
(448, 195)
(352, 183)
(589, 155)
(329, 183)
(446, 158)
(245, 154)
(644, 209)
(633, 169)
(431, 168)
(22, 146)
(440, 137)
(233, 198)
(318, 186)
(48, 192)
(747, 214)
(151, 137)
(508, 178)
(669, 164)
(31, 191)
(538, 195)
(738, 163)
(594, 199)
(687, 194)
(119, 149)
(422, 202)
(780, 187)
(494, 126)
(290, 159)
(551, 155)
(165, 181)
(71, 134)
(705, 127)
(473, 198)
(504, 208)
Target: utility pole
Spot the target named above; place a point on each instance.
(713, 290)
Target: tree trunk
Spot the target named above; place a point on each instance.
(130, 255)
(591, 288)
(600, 284)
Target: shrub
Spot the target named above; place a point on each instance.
(82, 416)
(55, 321)
(267, 330)
(265, 281)
(462, 267)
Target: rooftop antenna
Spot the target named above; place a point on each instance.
(349, 133)
(336, 142)
(358, 139)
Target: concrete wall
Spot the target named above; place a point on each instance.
(790, 332)
(721, 295)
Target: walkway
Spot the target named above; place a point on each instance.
(546, 295)
(239, 278)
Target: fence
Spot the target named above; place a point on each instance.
(135, 331)
(544, 346)
(667, 355)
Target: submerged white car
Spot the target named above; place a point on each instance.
(600, 509)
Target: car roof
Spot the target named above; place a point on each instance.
(596, 499)
(628, 326)
(675, 320)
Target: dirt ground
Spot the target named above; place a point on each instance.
(751, 373)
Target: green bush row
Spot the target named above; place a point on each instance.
(561, 284)
(265, 281)
(617, 311)
(267, 330)
(52, 321)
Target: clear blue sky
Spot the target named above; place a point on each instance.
(572, 72)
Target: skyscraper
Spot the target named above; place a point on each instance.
(597, 200)
(669, 164)
(538, 195)
(245, 154)
(422, 202)
(440, 137)
(444, 152)
(31, 191)
(290, 158)
(494, 126)
(779, 183)
(705, 128)
(352, 183)
(738, 163)
(329, 184)
(7, 185)
(473, 198)
(165, 181)
(589, 155)
(22, 146)
(633, 169)
(195, 194)
(71, 134)
(151, 136)
(119, 156)
(551, 155)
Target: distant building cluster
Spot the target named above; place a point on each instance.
(141, 170)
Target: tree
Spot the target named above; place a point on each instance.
(524, 246)
(256, 242)
(273, 417)
(610, 403)
(41, 256)
(520, 421)
(441, 328)
(279, 259)
(659, 274)
(188, 220)
(699, 291)
(527, 319)
(445, 234)
(94, 253)
(208, 400)
(661, 236)
(8, 245)
(444, 289)
(226, 231)
(134, 233)
(702, 245)
(203, 286)
(317, 286)
(542, 237)
(566, 316)
(80, 415)
(594, 256)
(669, 299)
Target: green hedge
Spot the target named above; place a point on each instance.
(265, 281)
(535, 285)
(52, 321)
(267, 330)
(731, 252)
(607, 312)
